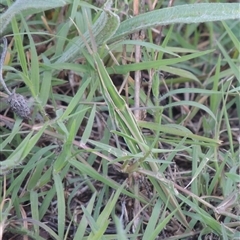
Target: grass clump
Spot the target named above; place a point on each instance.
(124, 139)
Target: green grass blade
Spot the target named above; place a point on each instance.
(75, 100)
(234, 67)
(234, 38)
(34, 67)
(93, 173)
(121, 233)
(105, 26)
(45, 87)
(61, 206)
(89, 126)
(190, 13)
(27, 7)
(15, 130)
(156, 211)
(124, 69)
(105, 214)
(84, 221)
(34, 209)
